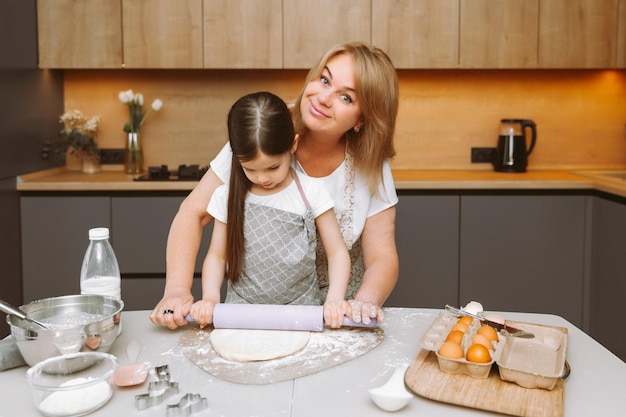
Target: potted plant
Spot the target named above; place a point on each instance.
(77, 140)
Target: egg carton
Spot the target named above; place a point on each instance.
(436, 335)
(537, 362)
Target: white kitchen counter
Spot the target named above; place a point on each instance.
(595, 387)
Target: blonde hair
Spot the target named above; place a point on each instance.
(376, 86)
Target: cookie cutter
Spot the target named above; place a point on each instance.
(189, 404)
(158, 390)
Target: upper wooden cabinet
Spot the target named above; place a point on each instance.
(79, 33)
(243, 34)
(621, 35)
(417, 34)
(578, 33)
(294, 34)
(312, 27)
(162, 33)
(498, 34)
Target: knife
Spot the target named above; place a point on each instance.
(505, 329)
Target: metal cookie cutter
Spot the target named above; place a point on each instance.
(158, 390)
(189, 404)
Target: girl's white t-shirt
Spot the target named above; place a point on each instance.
(364, 206)
(288, 199)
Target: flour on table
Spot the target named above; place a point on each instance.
(244, 345)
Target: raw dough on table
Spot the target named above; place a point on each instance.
(245, 345)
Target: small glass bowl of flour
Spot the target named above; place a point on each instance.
(72, 385)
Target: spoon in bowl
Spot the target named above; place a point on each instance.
(9, 309)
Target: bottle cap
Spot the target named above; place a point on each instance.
(99, 233)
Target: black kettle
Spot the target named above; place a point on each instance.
(511, 152)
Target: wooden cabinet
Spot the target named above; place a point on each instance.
(162, 33)
(621, 35)
(417, 34)
(578, 33)
(55, 236)
(608, 271)
(524, 253)
(243, 34)
(310, 28)
(427, 237)
(498, 34)
(79, 33)
(294, 34)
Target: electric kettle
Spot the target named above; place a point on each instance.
(512, 151)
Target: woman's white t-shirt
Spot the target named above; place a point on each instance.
(365, 205)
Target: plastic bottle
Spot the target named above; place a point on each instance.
(100, 273)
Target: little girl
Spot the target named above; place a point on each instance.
(264, 236)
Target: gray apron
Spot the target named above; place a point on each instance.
(279, 262)
(354, 248)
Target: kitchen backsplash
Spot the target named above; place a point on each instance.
(580, 115)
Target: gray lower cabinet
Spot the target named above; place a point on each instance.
(427, 237)
(524, 253)
(608, 269)
(140, 227)
(55, 235)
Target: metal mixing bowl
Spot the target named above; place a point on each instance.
(83, 323)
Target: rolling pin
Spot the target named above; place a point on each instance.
(273, 317)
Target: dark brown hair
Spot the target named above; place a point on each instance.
(256, 122)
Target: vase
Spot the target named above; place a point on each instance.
(133, 160)
(90, 164)
(73, 161)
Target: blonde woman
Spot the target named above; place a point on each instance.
(345, 117)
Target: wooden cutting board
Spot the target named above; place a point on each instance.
(426, 379)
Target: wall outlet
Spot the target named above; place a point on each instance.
(112, 156)
(481, 155)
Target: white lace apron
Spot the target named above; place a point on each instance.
(354, 248)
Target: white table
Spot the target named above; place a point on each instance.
(596, 386)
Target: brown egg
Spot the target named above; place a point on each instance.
(478, 354)
(455, 336)
(451, 350)
(460, 327)
(482, 340)
(466, 319)
(489, 332)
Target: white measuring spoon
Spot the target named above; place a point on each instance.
(135, 373)
(393, 395)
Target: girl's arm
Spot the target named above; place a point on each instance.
(335, 306)
(213, 270)
(183, 243)
(381, 266)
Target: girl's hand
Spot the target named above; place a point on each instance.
(334, 310)
(172, 309)
(359, 311)
(202, 312)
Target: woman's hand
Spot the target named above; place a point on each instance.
(334, 311)
(202, 312)
(363, 312)
(172, 309)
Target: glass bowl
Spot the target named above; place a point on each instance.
(72, 385)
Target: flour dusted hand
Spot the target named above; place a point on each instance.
(334, 311)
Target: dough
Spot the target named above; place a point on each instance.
(241, 345)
